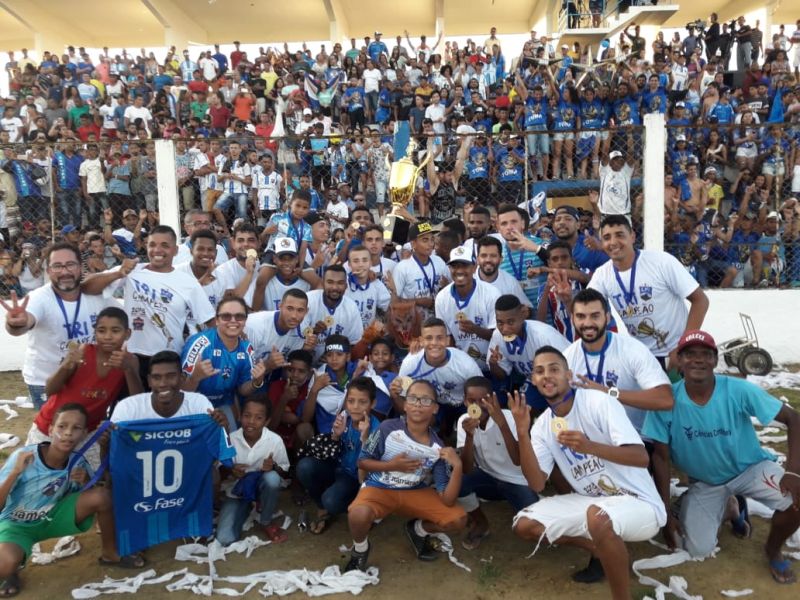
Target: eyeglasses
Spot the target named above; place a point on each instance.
(420, 401)
(65, 267)
(238, 317)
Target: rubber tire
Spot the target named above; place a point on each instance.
(755, 361)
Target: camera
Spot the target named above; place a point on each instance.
(699, 25)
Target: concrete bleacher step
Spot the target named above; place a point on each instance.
(641, 15)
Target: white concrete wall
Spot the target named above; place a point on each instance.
(778, 329)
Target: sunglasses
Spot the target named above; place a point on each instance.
(238, 317)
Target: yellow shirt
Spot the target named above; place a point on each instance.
(715, 196)
(270, 77)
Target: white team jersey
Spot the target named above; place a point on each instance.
(214, 290)
(627, 365)
(604, 422)
(262, 331)
(159, 305)
(479, 309)
(231, 274)
(615, 190)
(518, 355)
(656, 312)
(489, 449)
(239, 168)
(185, 254)
(346, 320)
(268, 188)
(448, 379)
(211, 180)
(414, 281)
(383, 269)
(506, 284)
(368, 298)
(471, 244)
(276, 288)
(47, 341)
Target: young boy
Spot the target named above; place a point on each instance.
(290, 224)
(487, 444)
(398, 458)
(370, 295)
(255, 478)
(329, 471)
(381, 357)
(563, 282)
(41, 498)
(286, 395)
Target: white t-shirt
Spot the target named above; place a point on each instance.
(209, 67)
(267, 187)
(409, 281)
(268, 445)
(448, 379)
(615, 190)
(13, 126)
(479, 310)
(262, 331)
(506, 284)
(107, 111)
(627, 365)
(140, 406)
(159, 305)
(185, 254)
(240, 168)
(435, 112)
(337, 210)
(276, 288)
(93, 171)
(346, 320)
(372, 80)
(382, 269)
(47, 341)
(489, 449)
(132, 113)
(231, 273)
(368, 298)
(603, 422)
(214, 290)
(657, 314)
(518, 355)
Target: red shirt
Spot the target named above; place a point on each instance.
(87, 388)
(236, 57)
(265, 131)
(85, 131)
(276, 388)
(197, 85)
(219, 116)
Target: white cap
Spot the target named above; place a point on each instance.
(564, 46)
(460, 254)
(285, 245)
(774, 215)
(307, 111)
(615, 154)
(680, 138)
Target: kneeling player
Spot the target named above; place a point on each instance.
(41, 499)
(593, 443)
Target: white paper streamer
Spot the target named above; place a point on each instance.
(736, 593)
(8, 440)
(66, 546)
(676, 585)
(12, 414)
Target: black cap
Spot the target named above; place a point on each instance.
(419, 229)
(570, 210)
(313, 217)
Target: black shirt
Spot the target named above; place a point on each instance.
(404, 104)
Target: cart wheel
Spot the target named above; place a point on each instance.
(755, 361)
(729, 359)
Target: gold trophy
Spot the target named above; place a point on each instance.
(402, 184)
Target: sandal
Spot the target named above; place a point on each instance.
(742, 528)
(130, 561)
(275, 534)
(320, 524)
(10, 586)
(781, 571)
(474, 539)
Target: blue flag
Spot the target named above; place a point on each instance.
(776, 112)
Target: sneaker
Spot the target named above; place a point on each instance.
(421, 544)
(358, 561)
(592, 573)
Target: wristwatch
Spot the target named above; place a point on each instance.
(614, 392)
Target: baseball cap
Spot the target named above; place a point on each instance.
(774, 215)
(68, 229)
(127, 212)
(615, 154)
(378, 33)
(285, 245)
(680, 138)
(680, 105)
(313, 217)
(696, 337)
(564, 46)
(419, 229)
(307, 111)
(570, 210)
(337, 343)
(710, 170)
(460, 254)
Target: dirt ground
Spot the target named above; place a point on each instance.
(500, 568)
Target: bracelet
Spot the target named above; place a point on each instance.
(260, 385)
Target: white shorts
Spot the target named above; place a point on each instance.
(773, 168)
(796, 179)
(381, 188)
(563, 136)
(92, 455)
(633, 520)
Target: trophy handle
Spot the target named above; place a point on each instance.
(424, 163)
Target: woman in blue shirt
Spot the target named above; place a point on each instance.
(565, 122)
(218, 362)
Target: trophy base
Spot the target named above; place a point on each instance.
(395, 229)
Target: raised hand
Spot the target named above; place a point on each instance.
(128, 265)
(268, 464)
(258, 372)
(204, 369)
(450, 456)
(339, 424)
(490, 404)
(582, 381)
(404, 464)
(16, 313)
(520, 411)
(276, 360)
(495, 356)
(321, 381)
(24, 459)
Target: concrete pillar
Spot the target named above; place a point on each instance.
(438, 11)
(179, 28)
(337, 22)
(168, 204)
(655, 145)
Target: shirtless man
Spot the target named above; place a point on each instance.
(697, 203)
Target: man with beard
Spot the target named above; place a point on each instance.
(479, 224)
(489, 255)
(613, 499)
(239, 274)
(521, 250)
(329, 312)
(585, 249)
(56, 315)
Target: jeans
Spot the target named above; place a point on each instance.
(487, 487)
(330, 487)
(224, 202)
(37, 395)
(95, 204)
(744, 55)
(69, 205)
(234, 512)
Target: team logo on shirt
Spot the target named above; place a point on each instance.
(646, 292)
(54, 486)
(166, 296)
(194, 354)
(612, 378)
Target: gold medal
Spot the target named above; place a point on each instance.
(308, 331)
(509, 338)
(355, 225)
(405, 382)
(558, 424)
(461, 316)
(72, 345)
(252, 253)
(328, 321)
(474, 411)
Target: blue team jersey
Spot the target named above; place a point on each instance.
(478, 163)
(161, 469)
(67, 170)
(38, 488)
(593, 115)
(536, 113)
(626, 111)
(517, 263)
(564, 116)
(22, 179)
(655, 102)
(510, 169)
(351, 446)
(234, 366)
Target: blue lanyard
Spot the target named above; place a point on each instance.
(566, 398)
(429, 282)
(462, 304)
(628, 294)
(355, 285)
(320, 270)
(518, 345)
(598, 376)
(416, 373)
(517, 269)
(278, 329)
(75, 457)
(71, 327)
